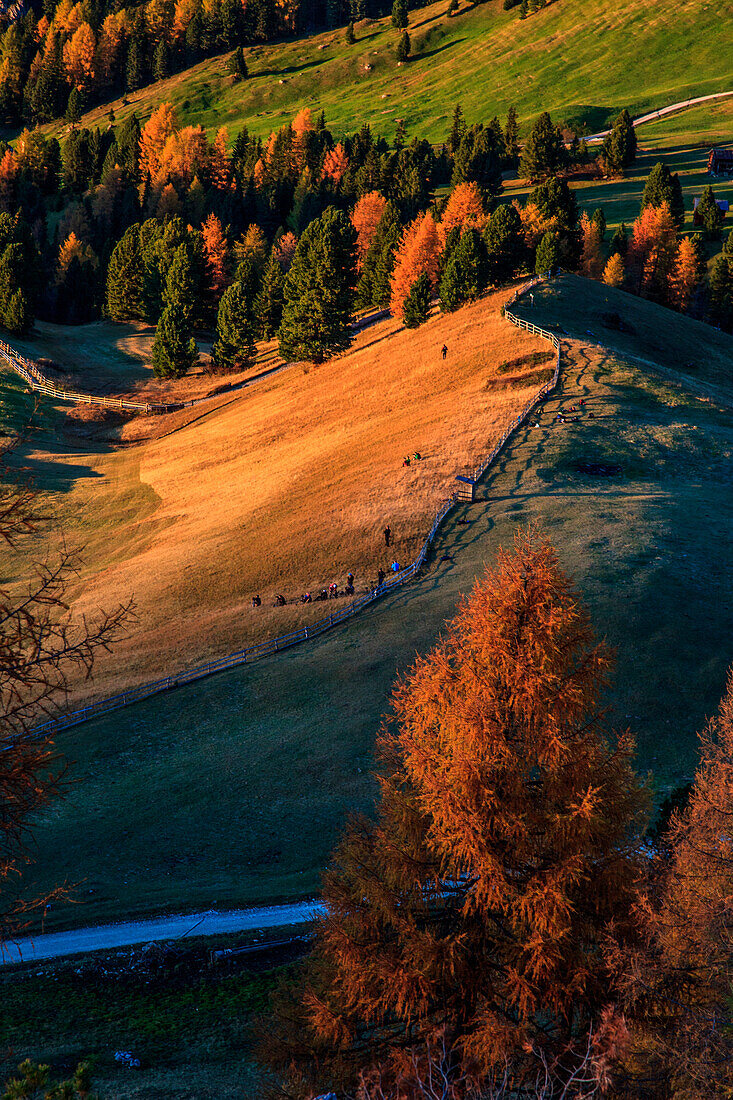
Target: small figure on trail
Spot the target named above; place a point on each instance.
(582, 401)
(349, 590)
(306, 598)
(387, 536)
(531, 299)
(280, 600)
(256, 601)
(380, 576)
(591, 416)
(333, 591)
(464, 519)
(395, 567)
(417, 456)
(350, 579)
(406, 460)
(322, 595)
(444, 350)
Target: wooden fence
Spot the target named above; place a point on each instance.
(304, 633)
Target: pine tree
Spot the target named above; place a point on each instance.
(505, 245)
(74, 106)
(416, 306)
(238, 65)
(125, 299)
(511, 136)
(269, 303)
(234, 346)
(544, 152)
(464, 928)
(619, 241)
(709, 213)
(720, 290)
(457, 130)
(17, 316)
(548, 253)
(174, 350)
(404, 47)
(661, 186)
(319, 290)
(619, 147)
(161, 60)
(599, 220)
(350, 36)
(479, 159)
(399, 14)
(135, 68)
(400, 135)
(374, 287)
(554, 199)
(465, 273)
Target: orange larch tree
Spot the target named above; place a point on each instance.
(335, 164)
(470, 918)
(8, 176)
(79, 56)
(418, 253)
(216, 252)
(591, 259)
(688, 273)
(153, 137)
(464, 209)
(220, 171)
(652, 251)
(365, 218)
(614, 272)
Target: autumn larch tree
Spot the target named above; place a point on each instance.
(591, 259)
(464, 209)
(663, 187)
(614, 272)
(365, 219)
(679, 980)
(652, 252)
(216, 250)
(466, 924)
(319, 290)
(418, 253)
(689, 272)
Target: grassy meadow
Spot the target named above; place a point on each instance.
(233, 790)
(583, 61)
(281, 488)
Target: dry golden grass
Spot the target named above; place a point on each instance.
(285, 487)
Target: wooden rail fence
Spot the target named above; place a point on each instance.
(304, 633)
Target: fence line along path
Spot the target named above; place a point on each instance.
(305, 633)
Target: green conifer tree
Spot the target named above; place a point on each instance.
(269, 303)
(619, 241)
(544, 152)
(17, 317)
(404, 47)
(174, 350)
(709, 212)
(661, 186)
(619, 147)
(505, 245)
(720, 293)
(465, 273)
(599, 220)
(238, 65)
(74, 106)
(234, 346)
(350, 36)
(548, 253)
(399, 14)
(319, 290)
(376, 272)
(125, 300)
(457, 130)
(511, 136)
(161, 60)
(416, 308)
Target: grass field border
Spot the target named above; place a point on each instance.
(305, 633)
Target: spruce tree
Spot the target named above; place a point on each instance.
(74, 106)
(505, 245)
(511, 137)
(319, 290)
(399, 14)
(661, 186)
(709, 213)
(376, 272)
(124, 295)
(720, 293)
(548, 253)
(238, 65)
(404, 47)
(619, 147)
(269, 303)
(234, 346)
(465, 274)
(17, 316)
(161, 61)
(554, 199)
(350, 36)
(465, 929)
(619, 241)
(416, 307)
(544, 152)
(457, 130)
(174, 350)
(599, 220)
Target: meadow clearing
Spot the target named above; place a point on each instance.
(281, 488)
(233, 790)
(485, 58)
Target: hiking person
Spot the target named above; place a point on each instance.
(256, 601)
(444, 350)
(406, 460)
(395, 567)
(350, 579)
(417, 456)
(387, 536)
(380, 576)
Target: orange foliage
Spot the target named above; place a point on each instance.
(219, 168)
(108, 46)
(215, 254)
(534, 224)
(465, 209)
(79, 56)
(461, 917)
(335, 164)
(252, 245)
(591, 260)
(285, 250)
(365, 218)
(154, 135)
(302, 124)
(184, 155)
(418, 252)
(615, 271)
(686, 276)
(8, 174)
(652, 251)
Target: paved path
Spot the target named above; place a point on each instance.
(664, 111)
(106, 937)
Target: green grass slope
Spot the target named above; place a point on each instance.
(233, 790)
(583, 60)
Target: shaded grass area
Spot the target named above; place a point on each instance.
(583, 61)
(234, 790)
(189, 1024)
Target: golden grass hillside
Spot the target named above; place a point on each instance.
(285, 487)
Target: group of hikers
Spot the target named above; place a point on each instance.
(333, 591)
(406, 461)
